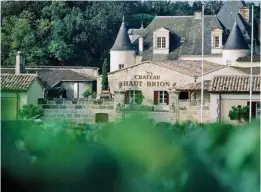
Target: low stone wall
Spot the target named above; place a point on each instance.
(190, 110)
(82, 110)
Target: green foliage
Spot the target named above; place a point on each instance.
(139, 98)
(87, 93)
(105, 75)
(94, 94)
(79, 32)
(239, 113)
(30, 111)
(55, 92)
(88, 90)
(137, 153)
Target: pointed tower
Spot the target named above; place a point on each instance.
(122, 53)
(235, 46)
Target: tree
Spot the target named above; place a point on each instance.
(105, 75)
(239, 113)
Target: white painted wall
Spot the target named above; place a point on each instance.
(166, 75)
(227, 101)
(233, 55)
(35, 92)
(121, 57)
(214, 107)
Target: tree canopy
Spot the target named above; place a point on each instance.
(77, 32)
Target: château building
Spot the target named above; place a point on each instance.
(167, 53)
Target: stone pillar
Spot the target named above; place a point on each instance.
(173, 102)
(214, 107)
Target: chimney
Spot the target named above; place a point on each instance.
(140, 44)
(244, 12)
(197, 15)
(20, 61)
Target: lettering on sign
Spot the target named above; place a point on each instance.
(146, 84)
(148, 76)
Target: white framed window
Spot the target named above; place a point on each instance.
(163, 96)
(121, 66)
(132, 96)
(161, 42)
(216, 42)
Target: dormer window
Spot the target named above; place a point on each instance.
(161, 42)
(216, 42)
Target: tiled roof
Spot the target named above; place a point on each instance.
(11, 82)
(194, 86)
(235, 39)
(256, 58)
(51, 76)
(122, 41)
(188, 67)
(234, 84)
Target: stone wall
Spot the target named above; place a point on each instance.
(82, 110)
(190, 110)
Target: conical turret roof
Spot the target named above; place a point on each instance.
(122, 42)
(235, 39)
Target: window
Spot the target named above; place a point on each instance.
(216, 41)
(161, 97)
(121, 66)
(131, 96)
(255, 109)
(161, 42)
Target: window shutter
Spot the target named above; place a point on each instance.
(127, 99)
(167, 102)
(156, 99)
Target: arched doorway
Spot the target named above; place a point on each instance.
(101, 117)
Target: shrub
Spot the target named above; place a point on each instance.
(30, 111)
(140, 98)
(239, 113)
(55, 92)
(87, 93)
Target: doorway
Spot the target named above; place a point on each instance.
(101, 117)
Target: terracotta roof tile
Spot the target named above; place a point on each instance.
(194, 86)
(51, 76)
(11, 82)
(236, 84)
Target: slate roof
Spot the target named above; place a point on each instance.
(235, 40)
(122, 42)
(180, 27)
(188, 67)
(194, 86)
(234, 84)
(52, 76)
(228, 13)
(256, 58)
(11, 82)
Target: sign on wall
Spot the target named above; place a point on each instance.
(148, 80)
